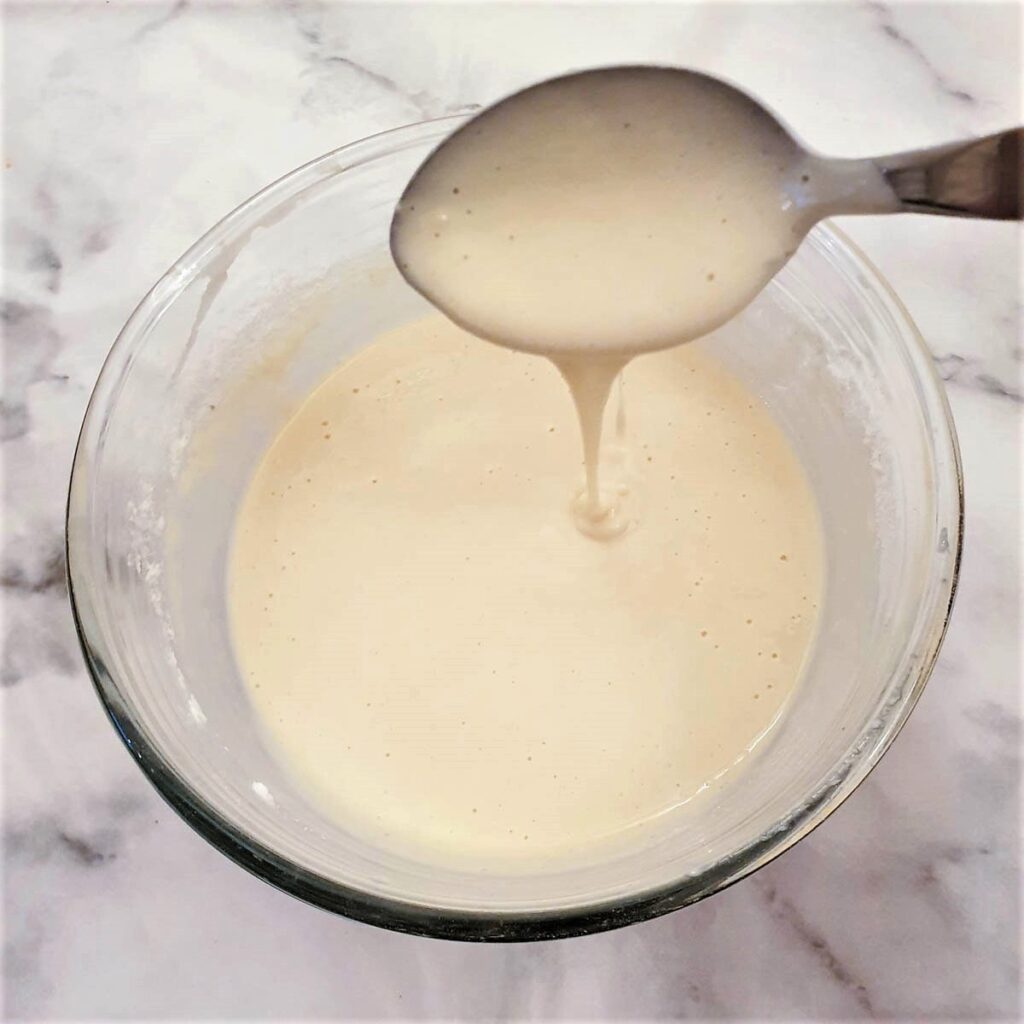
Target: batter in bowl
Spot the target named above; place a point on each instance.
(450, 667)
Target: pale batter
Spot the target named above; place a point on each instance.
(450, 667)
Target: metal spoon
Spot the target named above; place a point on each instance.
(979, 178)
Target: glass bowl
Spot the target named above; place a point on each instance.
(234, 336)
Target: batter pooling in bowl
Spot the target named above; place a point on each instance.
(450, 667)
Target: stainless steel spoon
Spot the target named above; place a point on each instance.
(979, 178)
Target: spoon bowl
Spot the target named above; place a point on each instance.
(621, 210)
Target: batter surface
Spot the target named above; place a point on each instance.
(449, 666)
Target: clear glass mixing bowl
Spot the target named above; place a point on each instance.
(240, 329)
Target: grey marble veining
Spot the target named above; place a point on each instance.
(130, 128)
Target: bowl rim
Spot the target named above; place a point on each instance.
(491, 926)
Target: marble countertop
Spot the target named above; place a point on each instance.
(129, 129)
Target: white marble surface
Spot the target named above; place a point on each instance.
(129, 128)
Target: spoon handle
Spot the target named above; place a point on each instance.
(981, 178)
